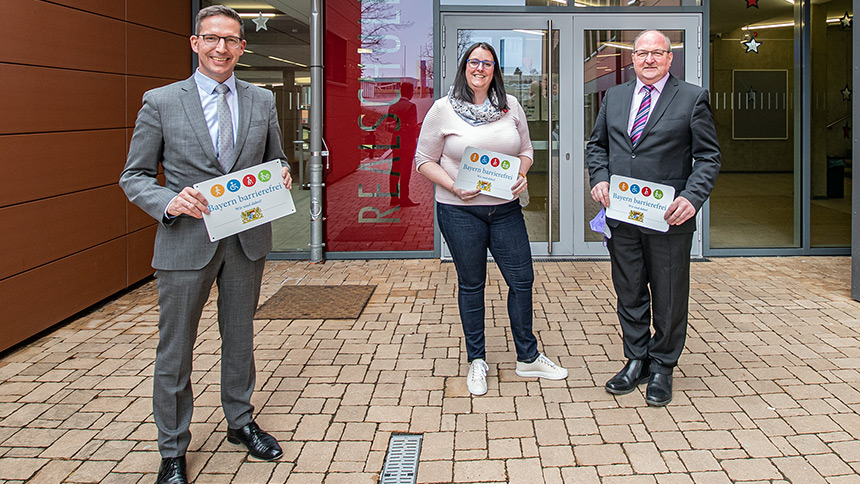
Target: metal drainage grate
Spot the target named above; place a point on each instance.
(401, 462)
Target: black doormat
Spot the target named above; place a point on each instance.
(316, 302)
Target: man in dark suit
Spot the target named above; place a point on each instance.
(188, 128)
(660, 129)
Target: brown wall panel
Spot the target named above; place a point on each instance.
(140, 254)
(137, 218)
(102, 39)
(167, 55)
(45, 100)
(41, 298)
(110, 8)
(77, 160)
(53, 228)
(71, 111)
(170, 15)
(137, 86)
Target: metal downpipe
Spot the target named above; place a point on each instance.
(316, 141)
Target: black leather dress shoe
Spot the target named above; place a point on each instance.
(172, 471)
(659, 390)
(633, 373)
(260, 444)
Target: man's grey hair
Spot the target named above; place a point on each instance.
(214, 11)
(666, 37)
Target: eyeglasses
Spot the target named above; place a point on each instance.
(655, 54)
(474, 63)
(212, 40)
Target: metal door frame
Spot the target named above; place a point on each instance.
(450, 23)
(691, 24)
(571, 116)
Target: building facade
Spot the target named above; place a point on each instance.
(781, 74)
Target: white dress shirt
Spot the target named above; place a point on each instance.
(639, 93)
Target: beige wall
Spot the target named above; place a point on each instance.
(73, 75)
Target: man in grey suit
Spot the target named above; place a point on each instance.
(660, 129)
(188, 128)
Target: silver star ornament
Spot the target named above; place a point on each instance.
(846, 93)
(260, 22)
(752, 45)
(846, 21)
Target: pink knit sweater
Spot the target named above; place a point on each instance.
(445, 136)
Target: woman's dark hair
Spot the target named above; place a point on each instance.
(496, 92)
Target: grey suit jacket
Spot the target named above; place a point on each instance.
(678, 146)
(171, 131)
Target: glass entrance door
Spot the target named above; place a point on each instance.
(533, 53)
(559, 67)
(601, 51)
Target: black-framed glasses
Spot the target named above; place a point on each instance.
(474, 63)
(211, 40)
(657, 54)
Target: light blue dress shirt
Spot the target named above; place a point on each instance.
(209, 101)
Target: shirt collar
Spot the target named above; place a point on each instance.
(659, 85)
(207, 84)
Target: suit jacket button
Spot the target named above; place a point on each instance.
(633, 155)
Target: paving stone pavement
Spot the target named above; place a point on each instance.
(767, 391)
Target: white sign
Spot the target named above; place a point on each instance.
(492, 173)
(639, 202)
(245, 199)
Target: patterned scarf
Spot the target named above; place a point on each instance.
(474, 114)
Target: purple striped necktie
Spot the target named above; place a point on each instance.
(641, 116)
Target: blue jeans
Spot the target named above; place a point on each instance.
(470, 231)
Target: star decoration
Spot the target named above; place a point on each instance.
(846, 131)
(846, 93)
(752, 45)
(751, 95)
(260, 22)
(752, 3)
(847, 21)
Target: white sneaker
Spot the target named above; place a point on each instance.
(477, 379)
(542, 367)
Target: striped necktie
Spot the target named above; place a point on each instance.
(641, 115)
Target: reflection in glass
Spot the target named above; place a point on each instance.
(574, 3)
(276, 58)
(379, 87)
(756, 201)
(609, 62)
(831, 130)
(523, 58)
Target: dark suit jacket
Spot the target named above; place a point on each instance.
(678, 146)
(171, 131)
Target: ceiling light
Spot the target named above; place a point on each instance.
(783, 24)
(285, 60)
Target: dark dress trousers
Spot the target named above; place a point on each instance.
(651, 269)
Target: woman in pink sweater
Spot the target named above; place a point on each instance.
(477, 112)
